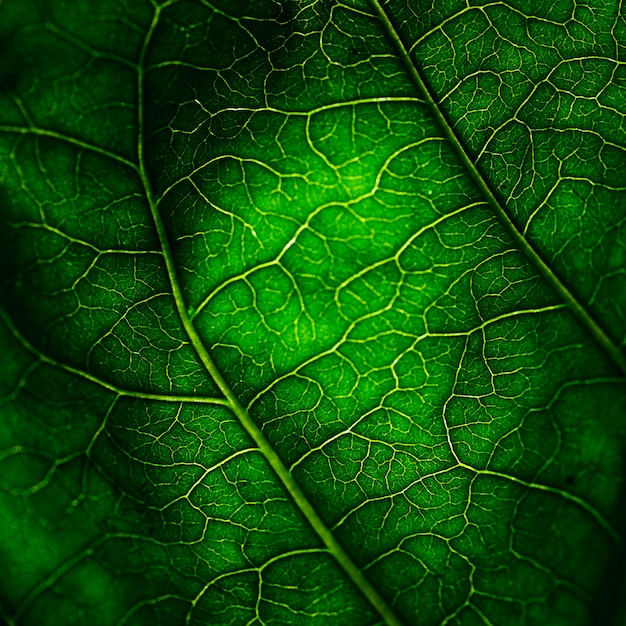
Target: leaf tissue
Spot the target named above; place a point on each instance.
(312, 312)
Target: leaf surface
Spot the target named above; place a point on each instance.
(312, 312)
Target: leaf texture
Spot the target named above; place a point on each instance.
(312, 312)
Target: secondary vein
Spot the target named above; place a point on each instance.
(586, 319)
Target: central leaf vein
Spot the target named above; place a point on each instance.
(275, 462)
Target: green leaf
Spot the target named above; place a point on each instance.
(312, 312)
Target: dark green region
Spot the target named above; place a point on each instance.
(312, 313)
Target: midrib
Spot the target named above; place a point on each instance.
(585, 318)
(280, 469)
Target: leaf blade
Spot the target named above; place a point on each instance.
(386, 336)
